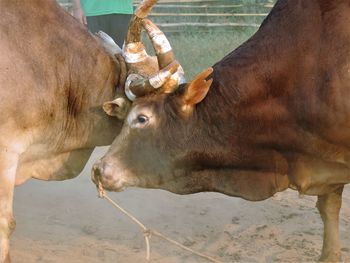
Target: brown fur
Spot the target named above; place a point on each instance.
(54, 78)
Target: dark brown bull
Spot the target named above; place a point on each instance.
(276, 116)
(54, 78)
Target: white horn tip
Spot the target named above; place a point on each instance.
(108, 43)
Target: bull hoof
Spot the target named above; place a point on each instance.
(330, 257)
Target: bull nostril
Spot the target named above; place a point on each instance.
(97, 172)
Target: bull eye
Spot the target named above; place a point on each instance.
(139, 119)
(142, 119)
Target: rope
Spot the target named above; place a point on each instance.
(148, 232)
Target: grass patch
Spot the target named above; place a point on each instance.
(198, 51)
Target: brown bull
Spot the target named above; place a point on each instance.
(54, 79)
(273, 114)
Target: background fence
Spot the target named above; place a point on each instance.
(205, 15)
(202, 32)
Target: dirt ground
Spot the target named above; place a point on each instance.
(66, 222)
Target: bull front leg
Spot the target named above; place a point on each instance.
(8, 166)
(329, 207)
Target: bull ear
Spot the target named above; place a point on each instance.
(117, 108)
(196, 90)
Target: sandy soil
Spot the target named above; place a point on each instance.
(66, 222)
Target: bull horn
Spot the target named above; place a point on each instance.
(160, 43)
(164, 53)
(145, 8)
(136, 86)
(108, 43)
(134, 50)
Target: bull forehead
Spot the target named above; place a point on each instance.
(147, 105)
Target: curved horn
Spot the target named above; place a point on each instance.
(170, 74)
(160, 43)
(164, 53)
(145, 8)
(123, 70)
(134, 50)
(136, 86)
(108, 43)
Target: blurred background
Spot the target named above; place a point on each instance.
(203, 32)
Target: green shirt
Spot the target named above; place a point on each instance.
(106, 7)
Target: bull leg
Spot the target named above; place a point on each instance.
(329, 206)
(8, 166)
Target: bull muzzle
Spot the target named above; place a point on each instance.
(103, 173)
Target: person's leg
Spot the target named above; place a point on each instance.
(93, 24)
(118, 24)
(115, 25)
